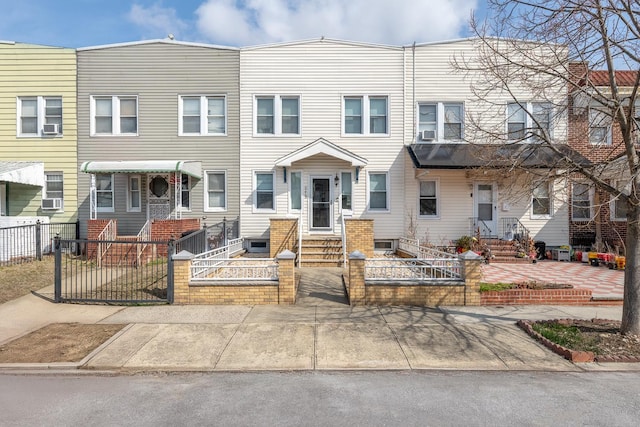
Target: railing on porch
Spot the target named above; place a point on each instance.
(143, 236)
(299, 239)
(220, 234)
(202, 263)
(479, 228)
(344, 239)
(412, 269)
(194, 241)
(105, 239)
(412, 246)
(513, 229)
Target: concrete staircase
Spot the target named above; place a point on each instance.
(321, 251)
(504, 251)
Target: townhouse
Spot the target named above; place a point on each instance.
(38, 134)
(158, 125)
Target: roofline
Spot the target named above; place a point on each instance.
(322, 39)
(476, 38)
(153, 41)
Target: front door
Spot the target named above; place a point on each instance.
(158, 196)
(485, 209)
(321, 204)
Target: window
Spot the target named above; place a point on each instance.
(441, 121)
(134, 194)
(346, 192)
(3, 199)
(636, 115)
(53, 189)
(541, 201)
(378, 194)
(277, 115)
(185, 192)
(264, 193)
(599, 127)
(114, 115)
(36, 112)
(295, 191)
(618, 207)
(429, 198)
(104, 193)
(581, 202)
(355, 115)
(215, 191)
(194, 121)
(529, 120)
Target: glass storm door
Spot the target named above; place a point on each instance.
(321, 203)
(485, 211)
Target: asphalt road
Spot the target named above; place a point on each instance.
(363, 398)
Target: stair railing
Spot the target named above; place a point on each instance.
(300, 239)
(343, 231)
(142, 238)
(513, 229)
(108, 234)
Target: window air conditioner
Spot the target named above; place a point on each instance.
(428, 135)
(51, 203)
(50, 129)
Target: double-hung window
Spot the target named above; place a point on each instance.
(114, 115)
(104, 193)
(441, 121)
(134, 194)
(185, 193)
(529, 121)
(429, 199)
(39, 116)
(599, 127)
(277, 115)
(53, 190)
(365, 115)
(264, 194)
(581, 202)
(378, 191)
(215, 191)
(203, 115)
(541, 206)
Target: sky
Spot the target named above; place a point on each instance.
(237, 23)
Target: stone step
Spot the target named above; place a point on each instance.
(320, 263)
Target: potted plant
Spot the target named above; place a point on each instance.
(464, 243)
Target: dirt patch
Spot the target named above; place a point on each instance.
(21, 279)
(57, 342)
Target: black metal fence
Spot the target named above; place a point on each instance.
(26, 243)
(193, 241)
(116, 272)
(219, 234)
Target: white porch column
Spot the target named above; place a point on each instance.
(93, 199)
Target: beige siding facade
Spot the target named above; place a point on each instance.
(158, 74)
(36, 73)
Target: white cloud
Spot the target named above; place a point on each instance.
(248, 22)
(156, 21)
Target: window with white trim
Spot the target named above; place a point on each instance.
(358, 111)
(428, 202)
(114, 115)
(203, 115)
(441, 121)
(53, 186)
(277, 115)
(134, 193)
(529, 121)
(378, 191)
(599, 127)
(346, 185)
(37, 111)
(104, 192)
(581, 202)
(541, 201)
(215, 190)
(264, 191)
(185, 192)
(295, 191)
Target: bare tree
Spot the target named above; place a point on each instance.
(546, 49)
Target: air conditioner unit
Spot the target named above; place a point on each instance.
(428, 135)
(50, 129)
(51, 203)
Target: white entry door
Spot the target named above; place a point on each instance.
(485, 208)
(321, 211)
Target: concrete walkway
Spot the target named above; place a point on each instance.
(320, 333)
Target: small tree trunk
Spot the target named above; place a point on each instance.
(631, 305)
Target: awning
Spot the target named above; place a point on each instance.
(188, 167)
(321, 146)
(466, 156)
(28, 173)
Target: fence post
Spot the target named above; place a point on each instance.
(57, 272)
(181, 275)
(286, 277)
(472, 273)
(224, 231)
(357, 289)
(38, 241)
(171, 250)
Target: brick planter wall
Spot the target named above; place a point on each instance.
(420, 295)
(537, 296)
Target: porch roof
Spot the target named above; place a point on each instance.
(28, 173)
(189, 167)
(321, 146)
(464, 156)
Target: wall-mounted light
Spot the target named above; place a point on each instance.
(336, 180)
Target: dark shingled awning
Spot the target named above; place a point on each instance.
(467, 156)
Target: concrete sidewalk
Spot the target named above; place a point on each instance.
(332, 337)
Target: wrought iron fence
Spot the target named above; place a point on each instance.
(412, 269)
(194, 241)
(220, 234)
(26, 243)
(412, 246)
(120, 276)
(235, 269)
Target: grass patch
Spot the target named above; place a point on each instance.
(489, 287)
(568, 336)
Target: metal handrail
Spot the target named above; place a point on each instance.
(300, 238)
(519, 232)
(143, 236)
(108, 234)
(344, 240)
